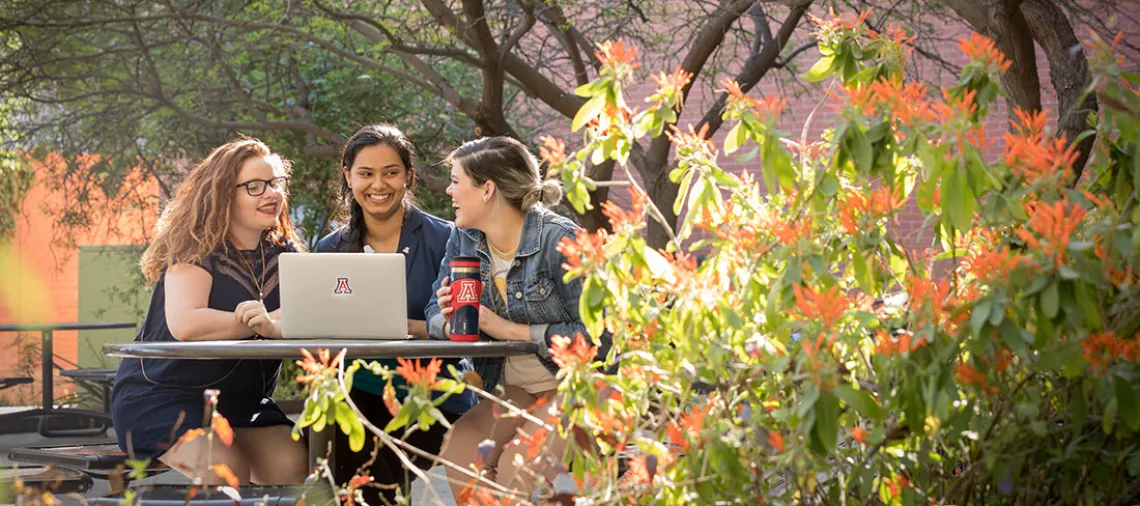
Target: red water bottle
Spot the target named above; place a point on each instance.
(466, 292)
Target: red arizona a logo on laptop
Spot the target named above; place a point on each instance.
(342, 286)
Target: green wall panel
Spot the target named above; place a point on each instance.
(111, 289)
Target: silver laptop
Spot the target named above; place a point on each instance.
(343, 296)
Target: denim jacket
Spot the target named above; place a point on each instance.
(536, 294)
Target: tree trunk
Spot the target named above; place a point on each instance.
(1069, 72)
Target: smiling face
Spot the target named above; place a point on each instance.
(471, 202)
(378, 180)
(253, 215)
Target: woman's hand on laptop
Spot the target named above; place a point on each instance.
(443, 296)
(253, 314)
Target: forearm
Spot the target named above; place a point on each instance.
(418, 329)
(208, 325)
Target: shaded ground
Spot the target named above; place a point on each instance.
(420, 494)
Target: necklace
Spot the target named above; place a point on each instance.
(259, 281)
(500, 253)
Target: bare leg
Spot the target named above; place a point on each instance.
(473, 428)
(526, 476)
(198, 456)
(274, 458)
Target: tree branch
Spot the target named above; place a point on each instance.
(533, 82)
(757, 66)
(707, 40)
(527, 24)
(569, 42)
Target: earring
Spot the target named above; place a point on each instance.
(485, 198)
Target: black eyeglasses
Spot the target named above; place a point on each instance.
(256, 187)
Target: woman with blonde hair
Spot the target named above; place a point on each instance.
(214, 265)
(498, 195)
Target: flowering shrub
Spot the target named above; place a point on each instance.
(813, 357)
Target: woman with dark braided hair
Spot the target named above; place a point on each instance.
(378, 170)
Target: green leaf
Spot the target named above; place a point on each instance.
(1051, 300)
(723, 178)
(827, 421)
(860, 400)
(829, 186)
(1013, 337)
(958, 199)
(589, 111)
(861, 151)
(1088, 304)
(1067, 273)
(401, 419)
(682, 190)
(589, 89)
(980, 316)
(863, 273)
(356, 437)
(807, 402)
(735, 138)
(1129, 403)
(344, 417)
(1136, 163)
(820, 70)
(730, 315)
(1109, 416)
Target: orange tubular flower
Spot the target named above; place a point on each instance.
(623, 220)
(825, 306)
(989, 264)
(776, 440)
(966, 375)
(982, 50)
(770, 107)
(418, 374)
(903, 343)
(572, 354)
(586, 247)
(618, 57)
(856, 204)
(552, 150)
(696, 142)
(1054, 223)
(670, 87)
(1101, 349)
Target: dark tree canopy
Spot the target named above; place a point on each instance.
(149, 82)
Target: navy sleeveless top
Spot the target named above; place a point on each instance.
(156, 400)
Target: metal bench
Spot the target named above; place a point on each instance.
(90, 423)
(46, 478)
(11, 381)
(103, 379)
(176, 495)
(99, 460)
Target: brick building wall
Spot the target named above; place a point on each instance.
(39, 273)
(803, 97)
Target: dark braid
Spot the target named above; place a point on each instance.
(355, 226)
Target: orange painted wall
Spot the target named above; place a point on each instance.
(39, 274)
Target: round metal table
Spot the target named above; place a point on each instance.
(291, 349)
(286, 349)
